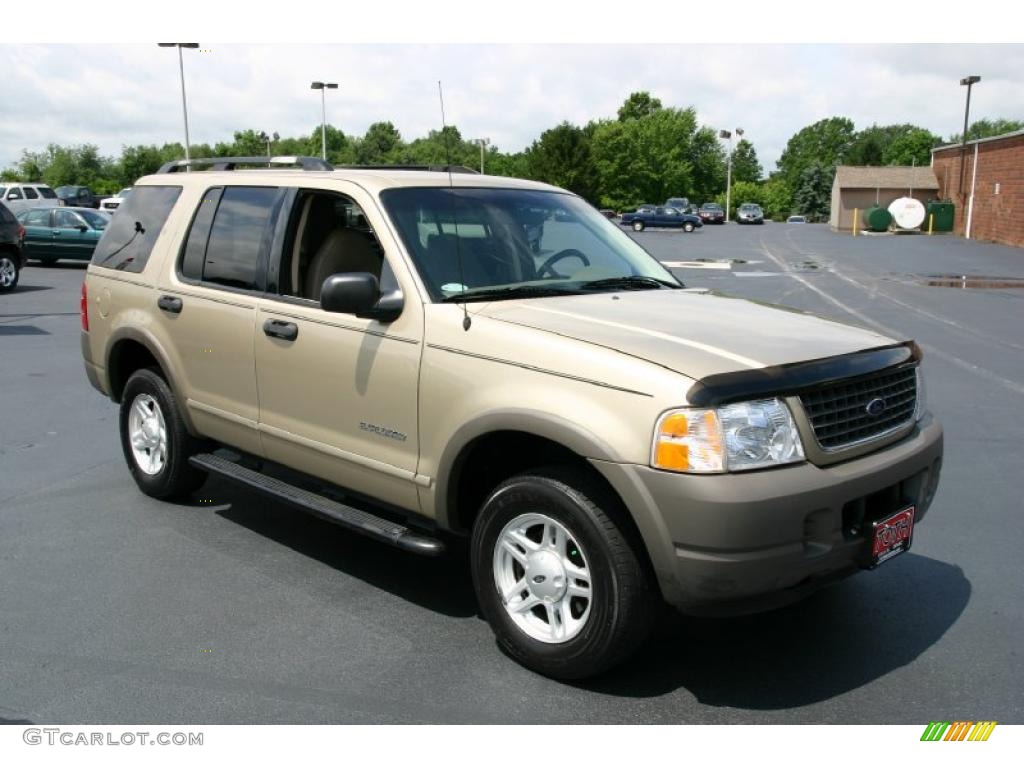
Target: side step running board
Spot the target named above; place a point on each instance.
(356, 519)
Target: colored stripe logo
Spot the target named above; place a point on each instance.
(960, 730)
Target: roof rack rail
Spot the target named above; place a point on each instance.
(229, 163)
(435, 168)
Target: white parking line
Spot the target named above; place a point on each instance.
(697, 264)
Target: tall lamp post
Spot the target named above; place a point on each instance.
(483, 144)
(968, 81)
(728, 169)
(184, 104)
(319, 86)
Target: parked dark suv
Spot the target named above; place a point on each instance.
(12, 255)
(79, 197)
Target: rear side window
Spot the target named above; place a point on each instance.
(48, 193)
(31, 193)
(239, 238)
(129, 239)
(39, 217)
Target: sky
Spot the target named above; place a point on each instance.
(117, 94)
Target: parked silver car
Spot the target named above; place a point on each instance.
(19, 196)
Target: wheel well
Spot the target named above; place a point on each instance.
(126, 358)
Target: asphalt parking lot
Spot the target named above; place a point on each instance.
(233, 609)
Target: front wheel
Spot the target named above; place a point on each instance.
(638, 226)
(9, 272)
(558, 575)
(155, 441)
(688, 226)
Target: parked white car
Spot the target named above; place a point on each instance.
(111, 204)
(18, 196)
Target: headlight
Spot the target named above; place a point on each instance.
(731, 438)
(921, 405)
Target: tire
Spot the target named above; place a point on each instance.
(638, 226)
(588, 634)
(171, 476)
(688, 227)
(10, 271)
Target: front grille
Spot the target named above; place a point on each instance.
(839, 416)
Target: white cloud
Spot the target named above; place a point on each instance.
(112, 95)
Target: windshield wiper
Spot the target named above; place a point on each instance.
(507, 292)
(629, 282)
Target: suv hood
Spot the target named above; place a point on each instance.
(695, 334)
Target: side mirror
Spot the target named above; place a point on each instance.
(82, 228)
(358, 293)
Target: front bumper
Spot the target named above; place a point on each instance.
(747, 541)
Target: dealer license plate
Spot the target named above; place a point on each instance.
(891, 536)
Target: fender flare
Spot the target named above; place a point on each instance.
(562, 431)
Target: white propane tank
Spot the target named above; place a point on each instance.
(907, 213)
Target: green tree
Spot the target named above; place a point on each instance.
(140, 160)
(912, 148)
(745, 166)
(639, 104)
(562, 156)
(378, 145)
(985, 128)
(813, 196)
(777, 198)
(825, 143)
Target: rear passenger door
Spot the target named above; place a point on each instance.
(38, 237)
(208, 302)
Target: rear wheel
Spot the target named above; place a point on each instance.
(154, 438)
(638, 226)
(10, 270)
(558, 576)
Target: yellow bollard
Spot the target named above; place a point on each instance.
(931, 222)
(856, 216)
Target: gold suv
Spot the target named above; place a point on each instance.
(427, 354)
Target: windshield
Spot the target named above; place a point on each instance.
(95, 220)
(515, 242)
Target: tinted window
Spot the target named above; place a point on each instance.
(38, 217)
(195, 246)
(48, 193)
(5, 215)
(122, 246)
(31, 193)
(14, 194)
(239, 236)
(95, 220)
(67, 220)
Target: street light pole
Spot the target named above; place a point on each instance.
(723, 134)
(483, 143)
(316, 85)
(968, 81)
(184, 103)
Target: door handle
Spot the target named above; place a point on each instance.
(280, 329)
(170, 304)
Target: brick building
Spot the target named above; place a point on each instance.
(991, 206)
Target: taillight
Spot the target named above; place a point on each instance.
(21, 232)
(83, 307)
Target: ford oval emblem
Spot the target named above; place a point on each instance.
(875, 407)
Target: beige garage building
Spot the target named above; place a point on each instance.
(863, 186)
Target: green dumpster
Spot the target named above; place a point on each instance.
(877, 219)
(943, 216)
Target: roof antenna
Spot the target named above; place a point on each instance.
(466, 321)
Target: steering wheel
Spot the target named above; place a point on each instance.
(548, 265)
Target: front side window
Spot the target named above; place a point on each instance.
(95, 220)
(67, 220)
(14, 194)
(129, 238)
(479, 243)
